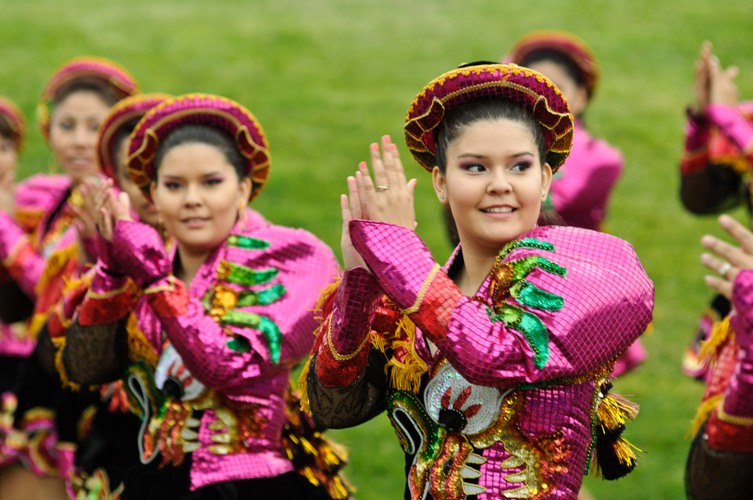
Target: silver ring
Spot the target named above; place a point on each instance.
(383, 187)
(724, 269)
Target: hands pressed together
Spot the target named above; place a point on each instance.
(713, 83)
(727, 259)
(387, 197)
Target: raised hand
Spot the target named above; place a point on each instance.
(702, 82)
(351, 208)
(388, 197)
(110, 208)
(727, 260)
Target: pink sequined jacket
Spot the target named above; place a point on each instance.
(208, 366)
(26, 238)
(717, 159)
(581, 190)
(506, 406)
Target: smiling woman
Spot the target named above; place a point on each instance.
(45, 216)
(493, 369)
(207, 330)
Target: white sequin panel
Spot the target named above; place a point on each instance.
(478, 418)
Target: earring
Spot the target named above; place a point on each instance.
(441, 196)
(242, 216)
(161, 227)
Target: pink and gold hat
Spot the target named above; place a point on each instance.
(108, 72)
(10, 113)
(467, 83)
(198, 109)
(568, 45)
(128, 110)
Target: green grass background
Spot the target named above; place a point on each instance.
(327, 77)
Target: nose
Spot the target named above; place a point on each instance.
(192, 197)
(84, 136)
(498, 182)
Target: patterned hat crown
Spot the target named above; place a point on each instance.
(509, 81)
(198, 109)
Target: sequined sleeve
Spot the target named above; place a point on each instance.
(257, 318)
(95, 347)
(343, 386)
(18, 256)
(718, 154)
(565, 302)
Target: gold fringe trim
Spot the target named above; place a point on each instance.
(303, 393)
(55, 263)
(733, 419)
(704, 410)
(406, 374)
(719, 334)
(59, 343)
(139, 348)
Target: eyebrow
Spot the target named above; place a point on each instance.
(514, 155)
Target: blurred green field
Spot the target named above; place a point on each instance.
(327, 77)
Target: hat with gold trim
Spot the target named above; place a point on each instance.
(199, 109)
(569, 46)
(482, 80)
(11, 115)
(117, 78)
(127, 111)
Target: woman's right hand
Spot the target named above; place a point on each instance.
(727, 260)
(351, 208)
(110, 207)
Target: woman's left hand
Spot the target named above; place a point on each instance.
(727, 260)
(388, 197)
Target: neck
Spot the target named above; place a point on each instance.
(189, 263)
(476, 266)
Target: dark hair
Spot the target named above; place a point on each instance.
(559, 59)
(121, 136)
(6, 130)
(202, 134)
(489, 108)
(86, 84)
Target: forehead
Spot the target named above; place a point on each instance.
(497, 134)
(81, 102)
(194, 158)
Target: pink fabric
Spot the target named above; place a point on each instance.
(581, 189)
(608, 302)
(738, 399)
(732, 124)
(244, 379)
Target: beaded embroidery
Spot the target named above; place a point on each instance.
(508, 280)
(456, 419)
(221, 301)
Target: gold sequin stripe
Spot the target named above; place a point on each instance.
(732, 419)
(110, 293)
(422, 292)
(337, 355)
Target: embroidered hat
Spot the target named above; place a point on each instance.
(199, 109)
(10, 114)
(128, 111)
(118, 79)
(470, 82)
(568, 45)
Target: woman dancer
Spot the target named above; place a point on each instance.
(494, 368)
(208, 330)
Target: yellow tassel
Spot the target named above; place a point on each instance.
(615, 411)
(719, 334)
(704, 410)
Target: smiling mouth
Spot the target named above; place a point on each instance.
(498, 210)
